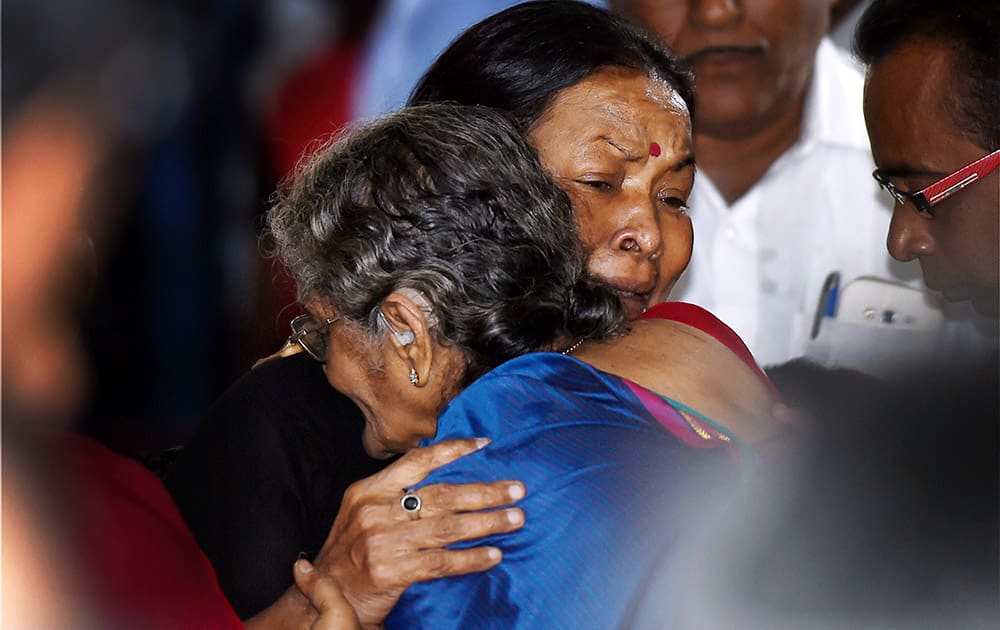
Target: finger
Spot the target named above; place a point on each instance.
(335, 612)
(413, 467)
(441, 531)
(437, 563)
(378, 512)
(468, 497)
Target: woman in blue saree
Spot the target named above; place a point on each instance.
(449, 287)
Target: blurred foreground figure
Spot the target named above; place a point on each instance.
(90, 539)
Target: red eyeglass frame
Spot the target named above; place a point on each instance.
(928, 197)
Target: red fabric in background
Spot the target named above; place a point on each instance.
(143, 564)
(314, 102)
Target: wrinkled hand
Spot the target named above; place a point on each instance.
(375, 549)
(335, 612)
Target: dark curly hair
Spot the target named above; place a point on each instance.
(519, 59)
(452, 202)
(970, 28)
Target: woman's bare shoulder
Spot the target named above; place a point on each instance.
(687, 364)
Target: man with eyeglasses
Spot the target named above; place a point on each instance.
(931, 103)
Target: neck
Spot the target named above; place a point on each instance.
(735, 158)
(571, 348)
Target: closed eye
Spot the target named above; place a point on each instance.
(676, 203)
(596, 184)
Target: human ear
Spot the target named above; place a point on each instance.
(404, 338)
(405, 312)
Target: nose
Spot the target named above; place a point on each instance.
(908, 235)
(716, 13)
(640, 236)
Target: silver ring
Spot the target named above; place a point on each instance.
(410, 503)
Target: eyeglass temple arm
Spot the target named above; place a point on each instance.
(961, 178)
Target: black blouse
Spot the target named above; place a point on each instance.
(262, 479)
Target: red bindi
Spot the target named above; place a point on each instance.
(654, 149)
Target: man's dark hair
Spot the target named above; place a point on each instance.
(518, 59)
(969, 27)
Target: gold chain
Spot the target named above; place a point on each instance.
(576, 344)
(702, 433)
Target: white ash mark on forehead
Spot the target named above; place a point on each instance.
(664, 94)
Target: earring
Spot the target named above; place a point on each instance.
(414, 377)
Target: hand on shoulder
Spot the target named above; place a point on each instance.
(377, 549)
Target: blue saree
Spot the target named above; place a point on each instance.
(610, 469)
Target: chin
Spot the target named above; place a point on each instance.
(373, 446)
(987, 305)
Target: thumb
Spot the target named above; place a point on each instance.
(335, 612)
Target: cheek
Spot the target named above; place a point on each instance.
(984, 220)
(601, 265)
(794, 29)
(666, 21)
(974, 243)
(346, 374)
(337, 375)
(591, 220)
(678, 241)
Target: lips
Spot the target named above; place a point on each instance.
(635, 297)
(723, 55)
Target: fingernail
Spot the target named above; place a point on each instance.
(515, 517)
(494, 553)
(515, 491)
(481, 442)
(303, 566)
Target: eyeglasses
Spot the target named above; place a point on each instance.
(927, 198)
(307, 335)
(310, 335)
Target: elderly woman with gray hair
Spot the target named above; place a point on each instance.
(450, 299)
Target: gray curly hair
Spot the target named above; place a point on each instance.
(449, 201)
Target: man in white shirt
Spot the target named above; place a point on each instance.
(784, 194)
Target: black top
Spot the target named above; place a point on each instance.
(262, 479)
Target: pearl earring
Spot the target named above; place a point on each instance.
(414, 377)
